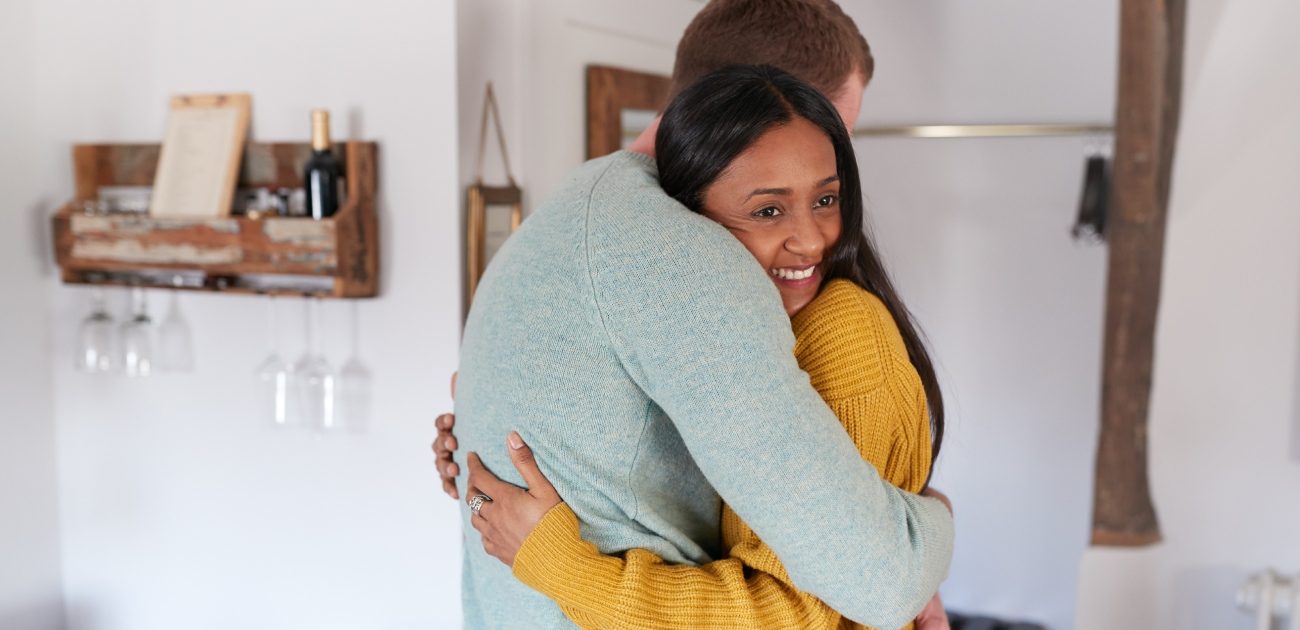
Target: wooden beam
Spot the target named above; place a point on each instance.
(1146, 127)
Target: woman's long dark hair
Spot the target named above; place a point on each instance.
(711, 122)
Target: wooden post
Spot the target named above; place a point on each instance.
(1146, 126)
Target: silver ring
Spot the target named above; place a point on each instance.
(476, 502)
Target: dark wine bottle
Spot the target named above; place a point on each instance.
(323, 175)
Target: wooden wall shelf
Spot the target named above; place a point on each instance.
(334, 257)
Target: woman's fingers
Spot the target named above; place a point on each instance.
(481, 477)
(443, 447)
(488, 535)
(482, 526)
(472, 491)
(522, 457)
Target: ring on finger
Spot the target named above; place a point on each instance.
(476, 503)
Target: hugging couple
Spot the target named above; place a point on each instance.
(658, 432)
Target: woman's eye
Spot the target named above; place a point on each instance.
(826, 200)
(768, 212)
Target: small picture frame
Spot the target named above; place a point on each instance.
(495, 212)
(201, 151)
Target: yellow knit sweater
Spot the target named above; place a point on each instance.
(851, 349)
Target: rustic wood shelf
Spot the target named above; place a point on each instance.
(334, 257)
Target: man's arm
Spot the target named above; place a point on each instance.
(638, 590)
(700, 328)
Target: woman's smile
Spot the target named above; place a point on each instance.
(794, 275)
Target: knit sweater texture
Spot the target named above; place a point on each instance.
(851, 348)
(644, 356)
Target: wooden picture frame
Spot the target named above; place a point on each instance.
(483, 236)
(611, 91)
(201, 150)
(483, 241)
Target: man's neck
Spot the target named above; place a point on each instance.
(645, 143)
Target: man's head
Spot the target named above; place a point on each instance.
(811, 39)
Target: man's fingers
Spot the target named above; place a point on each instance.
(522, 457)
(933, 616)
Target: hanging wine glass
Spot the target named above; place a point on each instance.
(315, 377)
(274, 375)
(136, 337)
(95, 339)
(175, 342)
(354, 383)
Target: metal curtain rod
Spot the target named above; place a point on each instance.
(984, 131)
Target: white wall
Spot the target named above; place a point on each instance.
(30, 596)
(1224, 423)
(180, 508)
(976, 232)
(536, 54)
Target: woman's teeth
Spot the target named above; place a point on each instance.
(786, 273)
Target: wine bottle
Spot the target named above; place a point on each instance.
(323, 175)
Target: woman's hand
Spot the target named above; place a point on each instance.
(444, 446)
(509, 513)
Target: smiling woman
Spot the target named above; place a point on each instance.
(791, 225)
(755, 149)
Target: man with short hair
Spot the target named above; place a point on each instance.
(621, 336)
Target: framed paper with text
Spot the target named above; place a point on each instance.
(199, 163)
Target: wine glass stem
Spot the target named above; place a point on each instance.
(272, 326)
(138, 305)
(356, 329)
(313, 323)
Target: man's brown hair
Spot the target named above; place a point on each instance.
(812, 39)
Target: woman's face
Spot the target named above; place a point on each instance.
(781, 198)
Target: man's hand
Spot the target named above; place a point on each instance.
(935, 494)
(933, 616)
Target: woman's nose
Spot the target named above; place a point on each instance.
(805, 238)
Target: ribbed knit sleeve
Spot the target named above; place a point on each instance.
(851, 350)
(638, 591)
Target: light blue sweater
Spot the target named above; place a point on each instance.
(645, 356)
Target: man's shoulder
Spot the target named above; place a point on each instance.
(625, 182)
(621, 174)
(627, 210)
